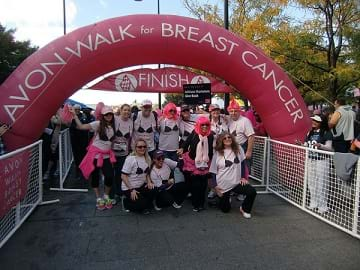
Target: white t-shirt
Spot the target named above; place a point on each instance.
(162, 174)
(169, 138)
(148, 125)
(227, 177)
(97, 142)
(131, 166)
(123, 133)
(241, 129)
(186, 127)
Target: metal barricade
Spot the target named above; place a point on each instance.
(307, 178)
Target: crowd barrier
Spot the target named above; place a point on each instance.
(65, 160)
(307, 178)
(20, 187)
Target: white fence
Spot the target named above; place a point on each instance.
(24, 168)
(65, 160)
(258, 160)
(307, 178)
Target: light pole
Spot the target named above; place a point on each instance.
(158, 12)
(226, 26)
(64, 15)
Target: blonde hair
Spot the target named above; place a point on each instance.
(146, 155)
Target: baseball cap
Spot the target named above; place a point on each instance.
(316, 118)
(106, 109)
(185, 108)
(158, 153)
(146, 102)
(214, 107)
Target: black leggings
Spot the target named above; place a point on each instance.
(143, 202)
(198, 185)
(247, 190)
(107, 170)
(176, 193)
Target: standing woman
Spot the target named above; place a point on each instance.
(169, 132)
(199, 146)
(136, 182)
(319, 137)
(218, 122)
(99, 155)
(227, 170)
(121, 144)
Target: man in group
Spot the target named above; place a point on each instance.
(145, 126)
(242, 129)
(342, 126)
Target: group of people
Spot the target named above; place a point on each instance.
(157, 161)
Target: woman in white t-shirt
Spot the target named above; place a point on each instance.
(169, 131)
(136, 182)
(121, 144)
(168, 192)
(227, 169)
(99, 155)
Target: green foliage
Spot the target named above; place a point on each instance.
(174, 98)
(12, 52)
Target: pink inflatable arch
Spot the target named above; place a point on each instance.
(36, 89)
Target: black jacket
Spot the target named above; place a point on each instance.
(192, 141)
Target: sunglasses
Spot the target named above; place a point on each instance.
(172, 111)
(227, 138)
(141, 146)
(205, 125)
(108, 114)
(160, 158)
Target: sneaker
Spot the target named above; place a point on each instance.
(245, 215)
(176, 206)
(240, 197)
(211, 195)
(157, 208)
(100, 204)
(113, 201)
(108, 204)
(196, 209)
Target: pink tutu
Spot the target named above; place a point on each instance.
(189, 166)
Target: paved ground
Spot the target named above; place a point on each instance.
(73, 235)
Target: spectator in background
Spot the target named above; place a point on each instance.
(79, 139)
(3, 129)
(259, 126)
(342, 125)
(320, 138)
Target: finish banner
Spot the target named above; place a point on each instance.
(163, 80)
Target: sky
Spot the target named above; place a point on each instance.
(41, 21)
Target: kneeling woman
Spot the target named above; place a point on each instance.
(162, 175)
(136, 183)
(228, 171)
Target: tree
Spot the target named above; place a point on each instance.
(12, 52)
(321, 52)
(177, 99)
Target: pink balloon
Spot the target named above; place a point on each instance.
(44, 80)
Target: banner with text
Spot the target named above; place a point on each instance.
(163, 80)
(13, 181)
(197, 94)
